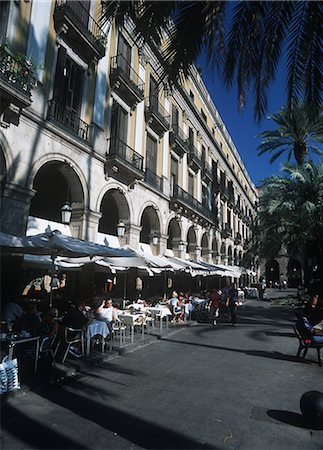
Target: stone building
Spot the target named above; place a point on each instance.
(96, 131)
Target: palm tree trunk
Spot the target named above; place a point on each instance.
(300, 151)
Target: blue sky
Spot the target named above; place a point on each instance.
(241, 125)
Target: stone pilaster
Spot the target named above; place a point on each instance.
(15, 209)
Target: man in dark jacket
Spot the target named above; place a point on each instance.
(231, 303)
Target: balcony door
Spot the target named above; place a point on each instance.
(173, 174)
(124, 50)
(68, 86)
(175, 118)
(190, 184)
(151, 154)
(153, 92)
(191, 136)
(119, 123)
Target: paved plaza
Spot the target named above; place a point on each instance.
(199, 386)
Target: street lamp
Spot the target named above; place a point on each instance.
(121, 228)
(66, 213)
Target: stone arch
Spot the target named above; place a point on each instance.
(65, 186)
(272, 272)
(153, 211)
(150, 224)
(235, 257)
(174, 236)
(294, 273)
(113, 207)
(223, 251)
(205, 247)
(230, 256)
(215, 250)
(191, 242)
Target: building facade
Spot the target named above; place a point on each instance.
(84, 121)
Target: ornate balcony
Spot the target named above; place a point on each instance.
(238, 239)
(207, 172)
(123, 162)
(185, 201)
(178, 141)
(157, 116)
(154, 180)
(226, 231)
(194, 158)
(80, 31)
(68, 120)
(126, 82)
(16, 80)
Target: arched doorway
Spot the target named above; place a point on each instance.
(230, 256)
(191, 243)
(55, 184)
(215, 251)
(272, 272)
(205, 248)
(174, 236)
(150, 227)
(294, 273)
(114, 207)
(223, 253)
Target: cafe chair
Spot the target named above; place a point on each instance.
(72, 336)
(118, 333)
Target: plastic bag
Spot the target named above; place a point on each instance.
(9, 380)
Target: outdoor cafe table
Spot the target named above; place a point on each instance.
(12, 342)
(96, 327)
(131, 319)
(162, 312)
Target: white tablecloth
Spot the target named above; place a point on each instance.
(97, 327)
(162, 311)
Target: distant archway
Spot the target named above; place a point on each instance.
(114, 207)
(272, 272)
(191, 243)
(294, 273)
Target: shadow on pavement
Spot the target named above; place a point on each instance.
(33, 433)
(297, 420)
(136, 430)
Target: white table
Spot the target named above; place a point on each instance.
(94, 328)
(162, 312)
(130, 320)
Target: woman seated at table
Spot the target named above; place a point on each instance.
(107, 313)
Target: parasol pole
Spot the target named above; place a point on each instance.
(125, 285)
(52, 257)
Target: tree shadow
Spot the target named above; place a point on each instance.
(291, 418)
(139, 431)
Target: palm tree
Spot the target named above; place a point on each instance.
(297, 131)
(291, 215)
(259, 34)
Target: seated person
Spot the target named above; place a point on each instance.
(179, 309)
(11, 312)
(107, 313)
(311, 310)
(49, 327)
(29, 323)
(316, 334)
(76, 317)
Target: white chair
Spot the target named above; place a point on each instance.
(72, 336)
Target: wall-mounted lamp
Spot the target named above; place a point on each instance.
(121, 228)
(155, 238)
(66, 213)
(182, 246)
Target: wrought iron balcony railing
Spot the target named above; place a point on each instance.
(226, 231)
(182, 196)
(16, 71)
(69, 120)
(154, 180)
(154, 109)
(120, 149)
(120, 66)
(194, 158)
(85, 27)
(238, 239)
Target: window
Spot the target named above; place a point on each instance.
(173, 174)
(68, 83)
(124, 50)
(203, 115)
(119, 122)
(175, 117)
(191, 95)
(191, 136)
(203, 155)
(151, 153)
(190, 184)
(153, 92)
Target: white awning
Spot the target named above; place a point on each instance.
(36, 225)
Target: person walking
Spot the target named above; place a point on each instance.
(231, 303)
(215, 299)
